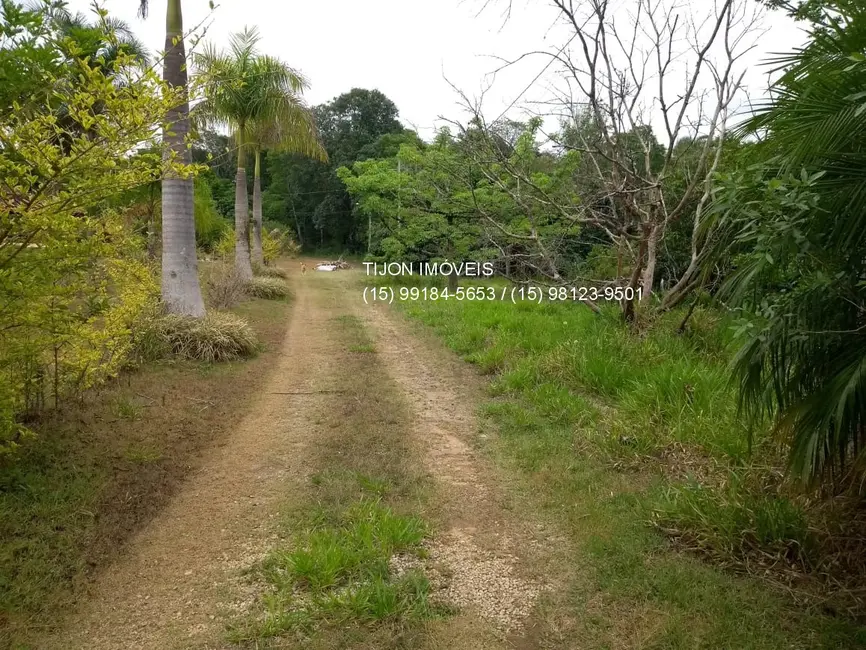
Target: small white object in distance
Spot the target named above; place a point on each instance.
(325, 267)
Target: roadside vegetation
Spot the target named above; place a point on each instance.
(93, 187)
(699, 437)
(109, 379)
(97, 470)
(717, 394)
(634, 448)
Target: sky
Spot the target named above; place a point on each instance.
(413, 50)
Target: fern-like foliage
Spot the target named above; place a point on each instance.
(794, 228)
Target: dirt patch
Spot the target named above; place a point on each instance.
(681, 463)
(466, 576)
(181, 568)
(102, 468)
(489, 558)
(178, 580)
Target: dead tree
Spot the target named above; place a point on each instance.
(661, 66)
(652, 67)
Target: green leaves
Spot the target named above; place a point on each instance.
(71, 283)
(257, 96)
(794, 227)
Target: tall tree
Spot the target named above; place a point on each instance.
(71, 280)
(291, 129)
(308, 193)
(181, 292)
(245, 90)
(88, 39)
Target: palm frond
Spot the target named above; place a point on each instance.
(258, 97)
(796, 224)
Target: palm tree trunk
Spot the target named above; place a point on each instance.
(258, 255)
(242, 215)
(181, 292)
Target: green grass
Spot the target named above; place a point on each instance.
(126, 409)
(338, 572)
(48, 503)
(632, 444)
(550, 353)
(142, 454)
(358, 548)
(734, 522)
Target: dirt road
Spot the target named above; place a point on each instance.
(178, 580)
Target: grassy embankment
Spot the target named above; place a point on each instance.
(632, 444)
(99, 469)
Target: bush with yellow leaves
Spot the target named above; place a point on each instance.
(74, 281)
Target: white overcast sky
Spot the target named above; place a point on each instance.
(406, 48)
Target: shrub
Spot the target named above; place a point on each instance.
(276, 242)
(224, 249)
(269, 288)
(270, 272)
(224, 287)
(216, 337)
(210, 227)
(72, 283)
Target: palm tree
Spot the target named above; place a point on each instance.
(292, 129)
(803, 237)
(102, 42)
(181, 292)
(251, 93)
(106, 45)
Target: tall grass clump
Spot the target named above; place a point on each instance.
(267, 287)
(224, 287)
(266, 271)
(216, 337)
(734, 524)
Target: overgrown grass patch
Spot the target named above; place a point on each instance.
(658, 383)
(620, 436)
(736, 522)
(268, 287)
(216, 337)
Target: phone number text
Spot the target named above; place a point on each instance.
(514, 295)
